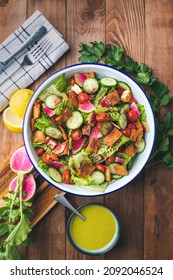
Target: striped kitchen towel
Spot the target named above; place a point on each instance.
(24, 76)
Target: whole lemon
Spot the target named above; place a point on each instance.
(19, 101)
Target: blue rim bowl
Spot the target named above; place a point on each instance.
(138, 93)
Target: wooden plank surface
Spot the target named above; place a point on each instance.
(158, 195)
(144, 207)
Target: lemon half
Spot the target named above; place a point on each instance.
(11, 121)
(19, 101)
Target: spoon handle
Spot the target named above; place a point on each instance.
(60, 198)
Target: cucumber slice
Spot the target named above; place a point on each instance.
(140, 146)
(90, 85)
(111, 167)
(53, 132)
(108, 82)
(125, 108)
(52, 101)
(55, 174)
(123, 86)
(75, 121)
(106, 128)
(122, 121)
(63, 168)
(98, 177)
(116, 177)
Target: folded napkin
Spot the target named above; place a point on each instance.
(24, 76)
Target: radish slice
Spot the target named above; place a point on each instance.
(77, 145)
(56, 164)
(119, 160)
(59, 149)
(145, 126)
(92, 117)
(104, 102)
(48, 111)
(135, 108)
(95, 134)
(87, 107)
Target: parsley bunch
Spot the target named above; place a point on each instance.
(15, 224)
(157, 92)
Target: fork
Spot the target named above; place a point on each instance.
(34, 54)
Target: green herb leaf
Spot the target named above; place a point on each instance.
(164, 145)
(91, 53)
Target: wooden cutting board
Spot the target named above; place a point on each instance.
(43, 201)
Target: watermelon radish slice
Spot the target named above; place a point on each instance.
(56, 164)
(86, 107)
(135, 108)
(92, 118)
(48, 111)
(59, 149)
(95, 134)
(20, 162)
(28, 186)
(80, 78)
(77, 145)
(145, 126)
(104, 102)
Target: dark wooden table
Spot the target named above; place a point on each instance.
(144, 207)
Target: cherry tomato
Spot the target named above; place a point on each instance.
(66, 177)
(100, 167)
(98, 126)
(39, 151)
(48, 158)
(82, 97)
(76, 134)
(131, 126)
(126, 132)
(133, 100)
(131, 115)
(110, 159)
(72, 81)
(102, 117)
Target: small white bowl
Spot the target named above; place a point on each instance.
(101, 71)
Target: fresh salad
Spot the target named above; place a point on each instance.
(87, 131)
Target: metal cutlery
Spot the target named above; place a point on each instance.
(60, 198)
(40, 32)
(33, 55)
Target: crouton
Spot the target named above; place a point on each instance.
(113, 98)
(36, 111)
(90, 75)
(136, 135)
(138, 125)
(126, 96)
(94, 145)
(108, 174)
(39, 136)
(113, 136)
(130, 150)
(33, 129)
(120, 170)
(64, 117)
(86, 169)
(86, 129)
(73, 98)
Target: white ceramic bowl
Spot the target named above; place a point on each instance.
(100, 70)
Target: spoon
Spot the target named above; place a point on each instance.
(60, 198)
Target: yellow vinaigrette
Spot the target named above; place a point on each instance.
(97, 231)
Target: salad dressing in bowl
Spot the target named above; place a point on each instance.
(98, 233)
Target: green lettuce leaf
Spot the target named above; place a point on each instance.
(61, 83)
(106, 151)
(100, 94)
(43, 122)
